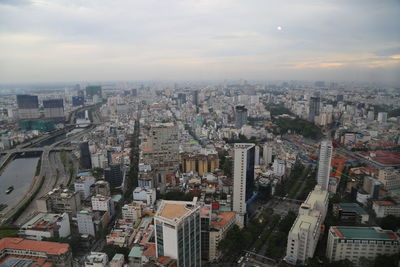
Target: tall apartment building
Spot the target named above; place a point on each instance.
(54, 109)
(86, 225)
(200, 162)
(28, 107)
(195, 100)
(178, 232)
(267, 153)
(382, 117)
(324, 164)
(314, 108)
(113, 174)
(243, 180)
(163, 151)
(353, 243)
(240, 116)
(304, 234)
(85, 161)
(60, 200)
(38, 253)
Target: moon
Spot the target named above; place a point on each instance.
(279, 28)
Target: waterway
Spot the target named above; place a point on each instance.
(18, 173)
(51, 140)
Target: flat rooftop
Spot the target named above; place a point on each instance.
(174, 210)
(304, 221)
(352, 207)
(363, 233)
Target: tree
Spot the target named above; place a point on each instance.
(111, 250)
(390, 222)
(387, 260)
(98, 173)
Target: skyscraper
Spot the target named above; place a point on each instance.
(28, 106)
(267, 153)
(114, 175)
(196, 100)
(240, 116)
(85, 159)
(178, 232)
(92, 91)
(243, 180)
(314, 108)
(54, 109)
(324, 164)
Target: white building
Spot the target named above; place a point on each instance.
(243, 180)
(96, 259)
(353, 243)
(118, 260)
(46, 225)
(132, 211)
(324, 164)
(267, 153)
(83, 184)
(279, 167)
(382, 117)
(147, 195)
(103, 203)
(85, 223)
(178, 223)
(304, 234)
(257, 156)
(385, 208)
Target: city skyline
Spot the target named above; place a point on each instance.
(55, 41)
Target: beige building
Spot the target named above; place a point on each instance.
(60, 200)
(218, 229)
(352, 243)
(200, 163)
(390, 178)
(304, 234)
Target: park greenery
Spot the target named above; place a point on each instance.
(134, 158)
(298, 126)
(226, 163)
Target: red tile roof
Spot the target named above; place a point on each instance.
(51, 248)
(224, 218)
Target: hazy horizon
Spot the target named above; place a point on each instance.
(63, 41)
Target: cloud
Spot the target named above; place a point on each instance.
(15, 2)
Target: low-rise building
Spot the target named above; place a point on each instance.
(122, 234)
(353, 243)
(385, 208)
(60, 200)
(96, 259)
(103, 203)
(118, 260)
(41, 253)
(46, 225)
(219, 227)
(132, 211)
(83, 184)
(350, 212)
(147, 195)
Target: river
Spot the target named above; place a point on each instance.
(18, 173)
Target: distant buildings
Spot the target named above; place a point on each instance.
(92, 91)
(35, 253)
(324, 164)
(78, 101)
(304, 234)
(382, 117)
(354, 243)
(178, 232)
(243, 181)
(240, 116)
(28, 106)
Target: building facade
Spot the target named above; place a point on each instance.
(324, 164)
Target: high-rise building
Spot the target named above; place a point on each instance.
(28, 107)
(243, 181)
(195, 100)
(324, 164)
(267, 153)
(114, 175)
(240, 116)
(314, 108)
(178, 232)
(382, 117)
(304, 234)
(78, 101)
(162, 152)
(371, 115)
(54, 109)
(93, 90)
(85, 159)
(354, 243)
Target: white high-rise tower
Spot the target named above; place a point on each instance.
(243, 180)
(267, 153)
(324, 165)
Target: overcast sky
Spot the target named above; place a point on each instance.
(86, 40)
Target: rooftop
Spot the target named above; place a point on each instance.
(223, 219)
(136, 252)
(174, 210)
(363, 233)
(51, 248)
(384, 203)
(352, 207)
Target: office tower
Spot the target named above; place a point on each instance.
(134, 92)
(54, 109)
(78, 101)
(196, 100)
(162, 152)
(114, 175)
(267, 153)
(314, 108)
(324, 164)
(243, 180)
(85, 159)
(182, 98)
(371, 115)
(240, 116)
(304, 234)
(177, 226)
(354, 243)
(28, 106)
(382, 117)
(93, 90)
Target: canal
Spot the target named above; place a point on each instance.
(19, 174)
